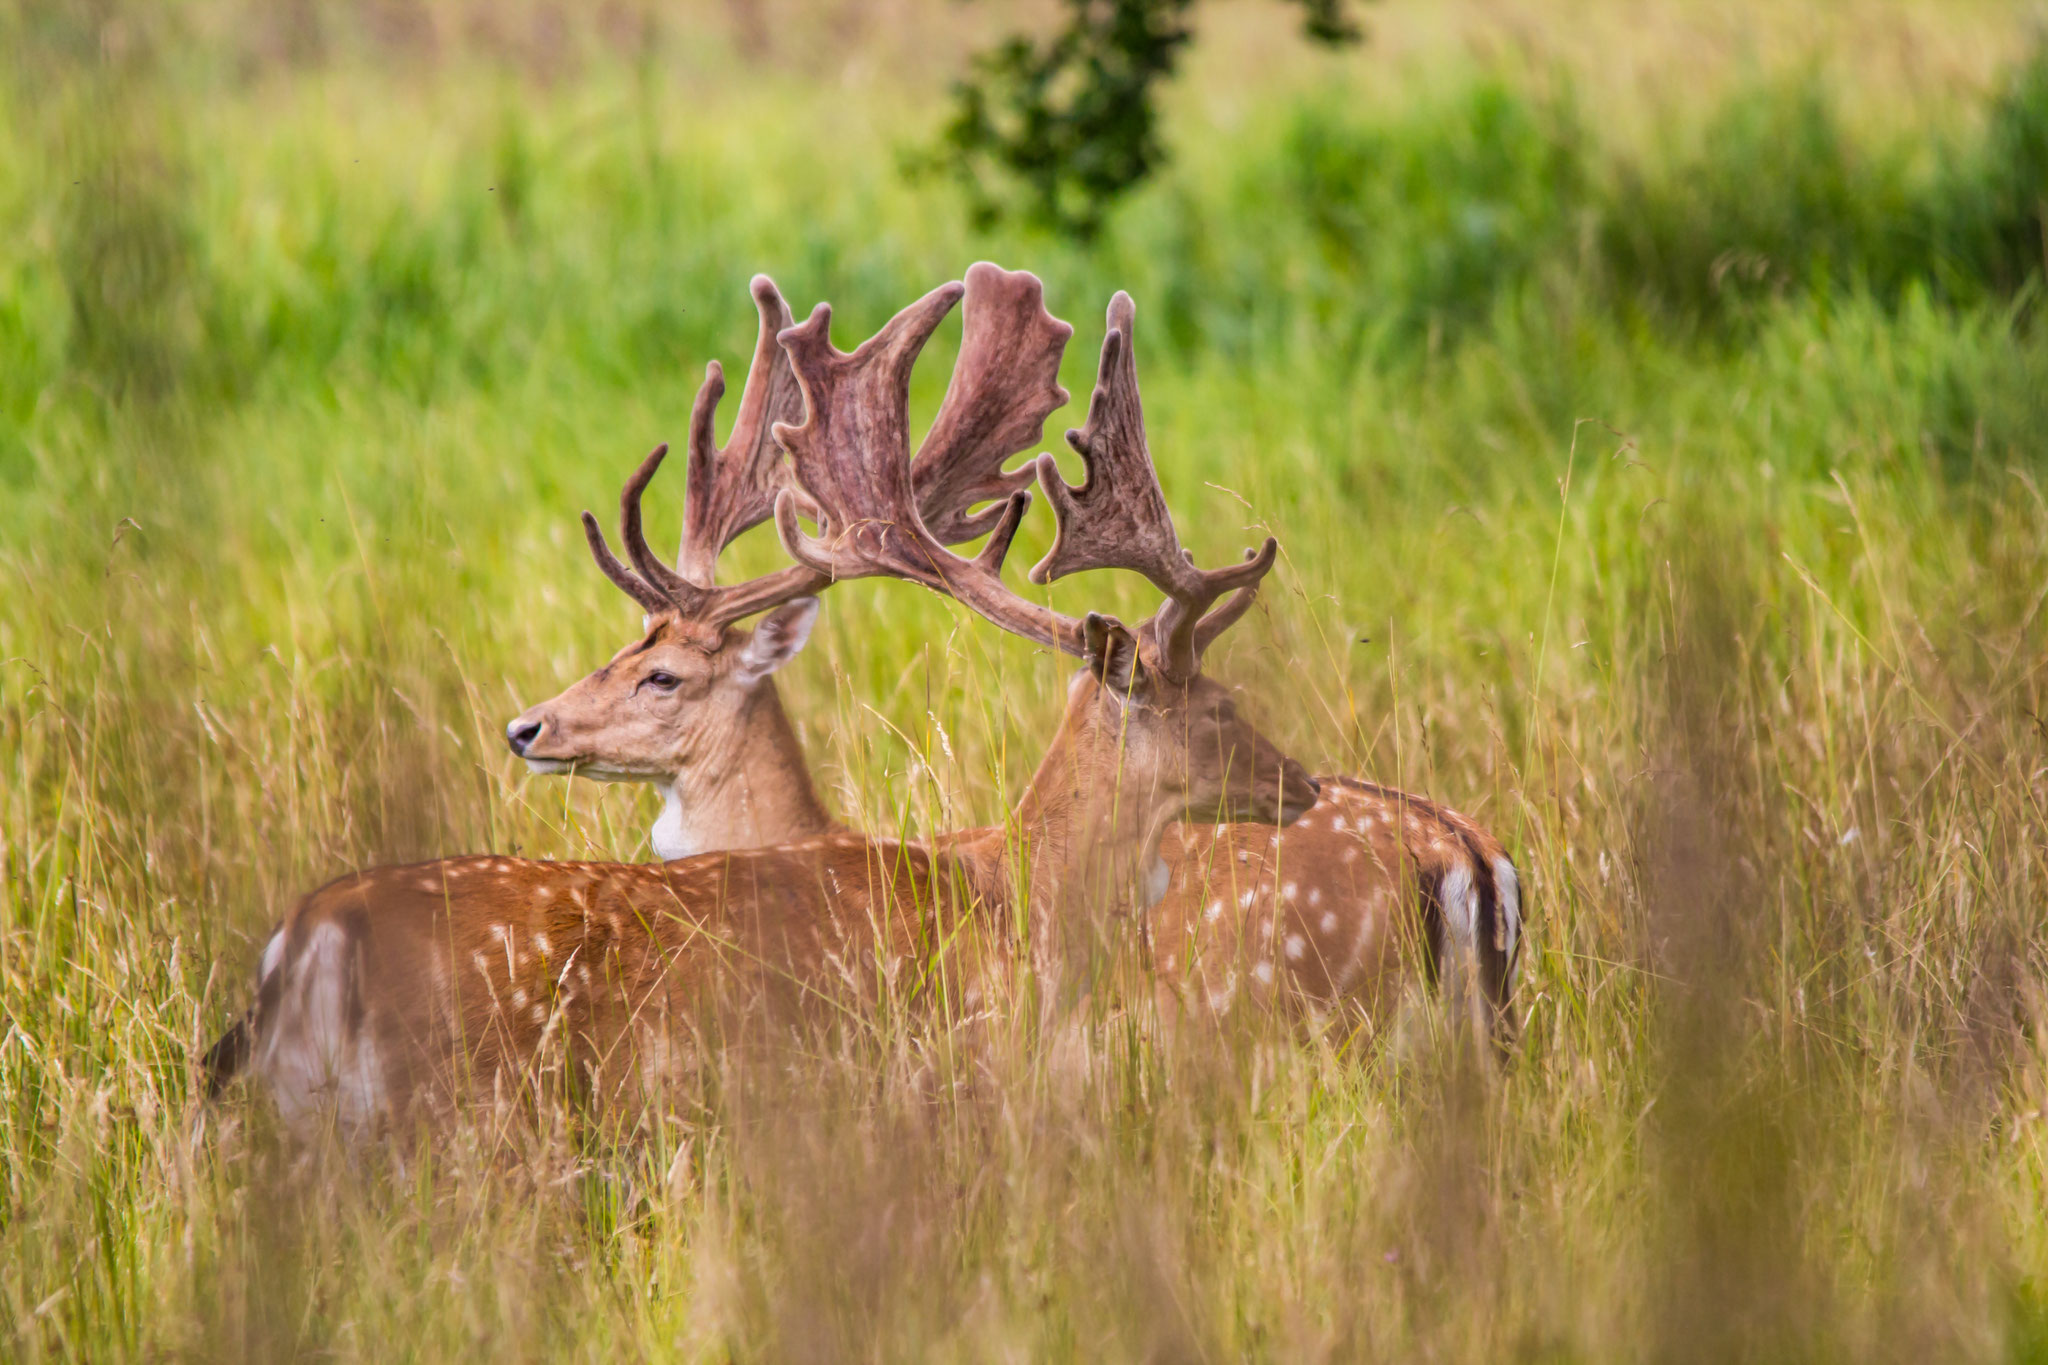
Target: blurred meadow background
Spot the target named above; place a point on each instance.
(1651, 401)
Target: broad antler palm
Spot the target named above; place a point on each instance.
(851, 457)
(1004, 385)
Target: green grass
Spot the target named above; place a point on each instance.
(1664, 492)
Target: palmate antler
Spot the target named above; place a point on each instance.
(1117, 518)
(851, 456)
(1004, 385)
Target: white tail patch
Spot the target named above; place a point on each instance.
(273, 953)
(1460, 904)
(309, 1056)
(1458, 962)
(1507, 933)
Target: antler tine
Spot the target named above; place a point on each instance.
(1117, 517)
(680, 593)
(852, 456)
(731, 490)
(627, 581)
(1005, 384)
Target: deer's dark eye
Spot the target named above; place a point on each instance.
(667, 682)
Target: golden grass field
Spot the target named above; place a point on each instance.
(1651, 402)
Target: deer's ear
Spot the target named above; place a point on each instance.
(1112, 652)
(780, 637)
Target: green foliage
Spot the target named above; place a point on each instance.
(1997, 227)
(1072, 121)
(1437, 217)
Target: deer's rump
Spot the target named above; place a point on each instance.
(510, 978)
(1371, 888)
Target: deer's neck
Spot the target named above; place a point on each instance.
(750, 789)
(1084, 845)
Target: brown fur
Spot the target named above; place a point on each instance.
(1335, 913)
(472, 975)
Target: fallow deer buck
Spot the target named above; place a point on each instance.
(1339, 911)
(691, 705)
(400, 984)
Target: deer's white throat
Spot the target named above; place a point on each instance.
(672, 835)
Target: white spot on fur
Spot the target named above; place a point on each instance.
(1315, 895)
(1288, 891)
(542, 946)
(503, 933)
(519, 998)
(1214, 912)
(1244, 902)
(1296, 946)
(1264, 972)
(1329, 921)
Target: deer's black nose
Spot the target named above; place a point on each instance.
(521, 734)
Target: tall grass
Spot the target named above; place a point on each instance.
(1666, 497)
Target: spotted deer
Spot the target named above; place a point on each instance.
(691, 705)
(397, 986)
(1337, 913)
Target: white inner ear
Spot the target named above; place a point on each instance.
(780, 637)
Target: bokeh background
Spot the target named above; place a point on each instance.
(1652, 403)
